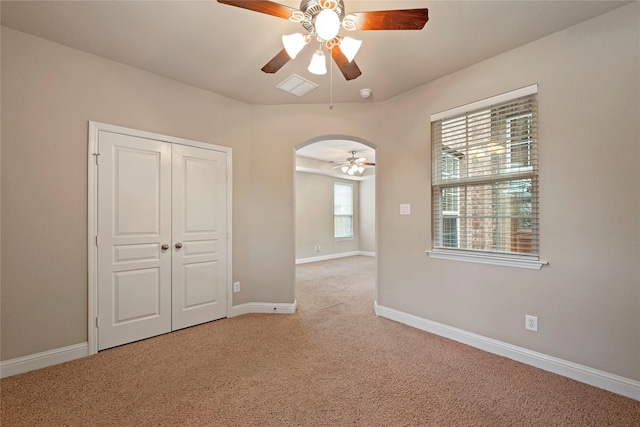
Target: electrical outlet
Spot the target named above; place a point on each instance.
(318, 248)
(531, 323)
(236, 286)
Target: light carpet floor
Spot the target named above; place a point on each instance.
(333, 363)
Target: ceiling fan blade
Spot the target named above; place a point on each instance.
(276, 62)
(349, 70)
(262, 6)
(368, 164)
(405, 19)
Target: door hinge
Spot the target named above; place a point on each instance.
(97, 322)
(97, 155)
(97, 241)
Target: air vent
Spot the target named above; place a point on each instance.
(296, 85)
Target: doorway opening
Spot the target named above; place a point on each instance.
(335, 201)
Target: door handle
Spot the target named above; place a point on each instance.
(165, 246)
(178, 245)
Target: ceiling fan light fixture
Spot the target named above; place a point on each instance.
(355, 169)
(318, 64)
(293, 44)
(323, 19)
(353, 165)
(327, 24)
(350, 46)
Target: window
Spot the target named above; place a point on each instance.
(485, 177)
(342, 211)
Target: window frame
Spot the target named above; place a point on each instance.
(504, 258)
(343, 215)
(450, 214)
(510, 144)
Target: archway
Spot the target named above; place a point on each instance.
(317, 178)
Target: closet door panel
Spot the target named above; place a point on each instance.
(199, 235)
(134, 221)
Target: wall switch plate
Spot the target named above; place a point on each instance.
(236, 286)
(405, 209)
(531, 323)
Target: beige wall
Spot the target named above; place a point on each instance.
(314, 216)
(49, 94)
(368, 215)
(587, 300)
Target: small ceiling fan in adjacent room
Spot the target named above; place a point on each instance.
(353, 165)
(322, 20)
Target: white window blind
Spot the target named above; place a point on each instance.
(342, 211)
(485, 176)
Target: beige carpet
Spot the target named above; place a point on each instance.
(333, 363)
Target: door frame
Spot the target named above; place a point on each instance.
(92, 219)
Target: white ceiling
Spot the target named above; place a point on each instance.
(221, 48)
(336, 151)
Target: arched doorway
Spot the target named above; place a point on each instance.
(323, 233)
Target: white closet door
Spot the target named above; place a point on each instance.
(134, 221)
(199, 235)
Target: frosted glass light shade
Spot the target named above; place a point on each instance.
(318, 64)
(327, 24)
(293, 44)
(350, 47)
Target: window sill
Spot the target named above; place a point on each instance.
(488, 259)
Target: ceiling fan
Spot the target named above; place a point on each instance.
(322, 20)
(353, 165)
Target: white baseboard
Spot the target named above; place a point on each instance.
(611, 382)
(333, 256)
(365, 253)
(65, 354)
(263, 307)
(42, 360)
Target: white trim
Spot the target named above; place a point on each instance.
(92, 225)
(529, 90)
(488, 259)
(32, 362)
(611, 382)
(229, 229)
(92, 188)
(333, 256)
(264, 307)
